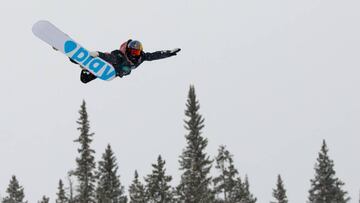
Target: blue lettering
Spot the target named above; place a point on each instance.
(106, 74)
(80, 55)
(96, 65)
(87, 61)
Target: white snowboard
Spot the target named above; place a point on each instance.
(53, 36)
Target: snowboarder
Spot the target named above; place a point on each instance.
(124, 60)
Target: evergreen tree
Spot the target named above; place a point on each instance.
(85, 163)
(238, 191)
(247, 196)
(137, 191)
(195, 164)
(325, 187)
(15, 192)
(225, 183)
(44, 199)
(61, 196)
(71, 187)
(280, 193)
(158, 189)
(109, 188)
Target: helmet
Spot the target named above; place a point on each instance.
(134, 48)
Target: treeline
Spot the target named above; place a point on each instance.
(99, 182)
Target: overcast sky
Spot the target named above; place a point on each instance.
(273, 78)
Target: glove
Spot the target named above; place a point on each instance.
(94, 54)
(174, 51)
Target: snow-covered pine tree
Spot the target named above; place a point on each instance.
(325, 187)
(109, 188)
(225, 183)
(15, 192)
(44, 199)
(85, 163)
(194, 162)
(158, 189)
(137, 192)
(279, 193)
(61, 196)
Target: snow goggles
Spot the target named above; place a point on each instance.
(135, 52)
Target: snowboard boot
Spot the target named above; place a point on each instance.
(86, 76)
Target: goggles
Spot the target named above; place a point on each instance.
(135, 52)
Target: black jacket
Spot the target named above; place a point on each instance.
(123, 65)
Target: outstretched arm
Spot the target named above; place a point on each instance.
(160, 54)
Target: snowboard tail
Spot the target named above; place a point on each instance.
(53, 36)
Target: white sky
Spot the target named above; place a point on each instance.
(273, 79)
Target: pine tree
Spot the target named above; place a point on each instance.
(158, 189)
(137, 191)
(44, 199)
(279, 193)
(225, 183)
(325, 187)
(15, 192)
(71, 187)
(61, 196)
(85, 163)
(195, 164)
(248, 197)
(238, 191)
(109, 188)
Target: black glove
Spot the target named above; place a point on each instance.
(174, 51)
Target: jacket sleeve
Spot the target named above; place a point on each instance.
(109, 57)
(157, 55)
(114, 60)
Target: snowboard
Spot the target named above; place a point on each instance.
(60, 41)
